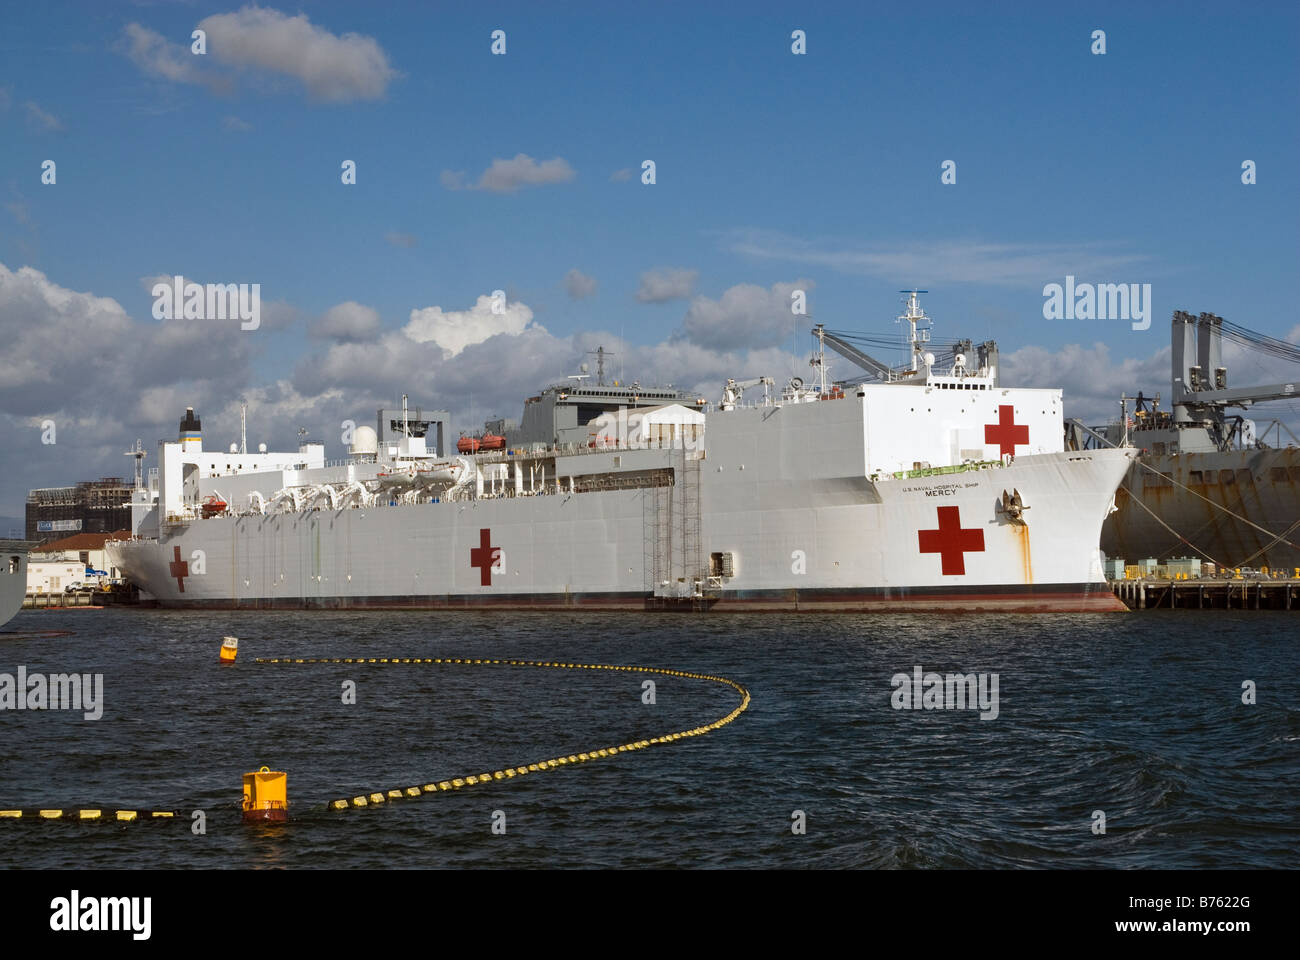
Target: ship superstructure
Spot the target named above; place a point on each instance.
(1209, 482)
(933, 487)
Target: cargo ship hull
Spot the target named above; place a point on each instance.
(1189, 493)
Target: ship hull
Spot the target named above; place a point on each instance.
(775, 513)
(1259, 486)
(13, 581)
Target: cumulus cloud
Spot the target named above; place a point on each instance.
(746, 315)
(578, 284)
(346, 322)
(333, 68)
(1093, 381)
(259, 43)
(454, 330)
(510, 358)
(507, 176)
(55, 364)
(666, 283)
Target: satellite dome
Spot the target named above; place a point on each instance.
(364, 441)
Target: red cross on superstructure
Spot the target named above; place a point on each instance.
(484, 556)
(1006, 433)
(179, 568)
(951, 542)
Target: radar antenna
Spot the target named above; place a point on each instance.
(139, 453)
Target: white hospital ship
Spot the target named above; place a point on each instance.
(932, 488)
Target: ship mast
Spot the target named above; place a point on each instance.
(819, 360)
(916, 338)
(139, 454)
(600, 353)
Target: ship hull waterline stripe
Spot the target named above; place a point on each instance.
(1023, 598)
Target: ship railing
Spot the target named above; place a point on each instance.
(919, 472)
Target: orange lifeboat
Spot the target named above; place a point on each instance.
(468, 444)
(492, 441)
(212, 506)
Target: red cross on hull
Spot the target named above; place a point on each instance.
(484, 556)
(1006, 433)
(951, 542)
(179, 569)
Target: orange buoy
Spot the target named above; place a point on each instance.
(266, 796)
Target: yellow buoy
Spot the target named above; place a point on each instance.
(266, 796)
(229, 648)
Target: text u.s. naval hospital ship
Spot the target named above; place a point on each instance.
(929, 490)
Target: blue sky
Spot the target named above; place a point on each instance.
(773, 170)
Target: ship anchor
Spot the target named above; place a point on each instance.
(1012, 507)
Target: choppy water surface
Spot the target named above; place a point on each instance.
(1139, 716)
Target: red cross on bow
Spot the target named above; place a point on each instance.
(179, 568)
(1006, 433)
(951, 542)
(484, 556)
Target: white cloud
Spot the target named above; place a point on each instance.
(507, 176)
(746, 315)
(398, 239)
(1000, 264)
(621, 176)
(347, 322)
(509, 361)
(235, 125)
(1093, 382)
(666, 283)
(55, 361)
(257, 43)
(333, 68)
(164, 59)
(454, 330)
(578, 284)
(41, 119)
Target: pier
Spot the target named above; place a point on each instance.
(96, 599)
(1255, 593)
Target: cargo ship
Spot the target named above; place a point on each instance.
(932, 488)
(1209, 483)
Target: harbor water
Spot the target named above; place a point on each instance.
(1137, 716)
